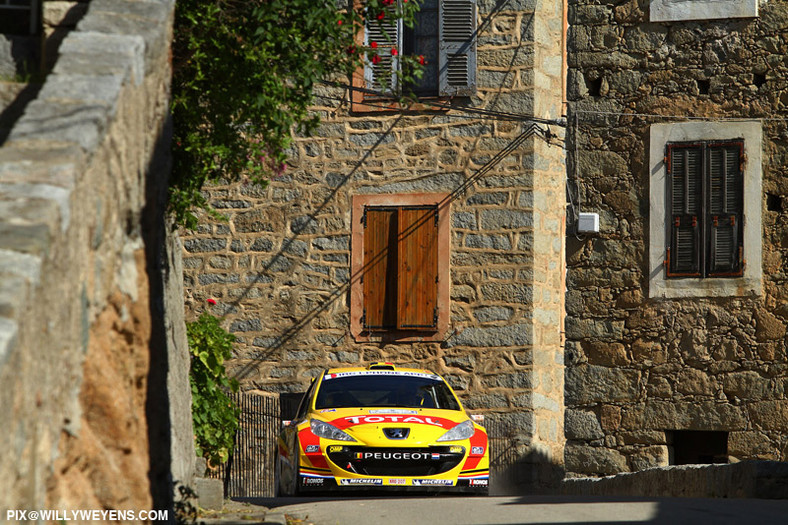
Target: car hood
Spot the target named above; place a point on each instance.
(367, 424)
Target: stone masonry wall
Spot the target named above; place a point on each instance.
(279, 267)
(91, 294)
(638, 368)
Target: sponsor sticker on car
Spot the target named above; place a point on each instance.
(425, 482)
(361, 481)
(393, 411)
(478, 483)
(312, 448)
(398, 481)
(328, 377)
(313, 481)
(477, 450)
(362, 420)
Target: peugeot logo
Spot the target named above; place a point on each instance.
(396, 433)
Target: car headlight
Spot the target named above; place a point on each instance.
(325, 430)
(462, 431)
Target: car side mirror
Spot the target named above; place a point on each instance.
(286, 423)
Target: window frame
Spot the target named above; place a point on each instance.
(750, 282)
(684, 10)
(359, 202)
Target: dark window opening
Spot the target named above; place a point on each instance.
(594, 86)
(774, 202)
(758, 80)
(693, 447)
(703, 87)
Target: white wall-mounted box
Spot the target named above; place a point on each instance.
(588, 223)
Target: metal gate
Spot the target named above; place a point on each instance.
(249, 473)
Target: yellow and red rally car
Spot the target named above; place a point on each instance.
(381, 426)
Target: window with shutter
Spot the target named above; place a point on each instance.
(444, 33)
(400, 284)
(705, 190)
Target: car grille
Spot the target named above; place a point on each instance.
(380, 461)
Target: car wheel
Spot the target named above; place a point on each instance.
(294, 482)
(278, 492)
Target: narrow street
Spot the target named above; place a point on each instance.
(505, 510)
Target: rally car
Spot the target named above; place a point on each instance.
(381, 427)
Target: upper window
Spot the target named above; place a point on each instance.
(400, 267)
(444, 33)
(705, 213)
(705, 233)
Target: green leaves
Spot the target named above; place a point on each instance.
(243, 74)
(214, 415)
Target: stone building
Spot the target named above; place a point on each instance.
(677, 309)
(476, 171)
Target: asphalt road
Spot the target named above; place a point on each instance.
(526, 510)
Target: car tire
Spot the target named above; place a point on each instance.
(278, 492)
(294, 487)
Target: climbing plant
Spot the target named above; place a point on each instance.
(243, 80)
(214, 414)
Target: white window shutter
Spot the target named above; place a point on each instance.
(457, 73)
(382, 77)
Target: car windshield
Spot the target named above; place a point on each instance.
(385, 391)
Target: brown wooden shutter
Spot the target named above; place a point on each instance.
(380, 268)
(725, 209)
(418, 268)
(685, 191)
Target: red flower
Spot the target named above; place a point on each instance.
(351, 50)
(381, 15)
(376, 59)
(374, 45)
(339, 22)
(421, 60)
(393, 51)
(211, 301)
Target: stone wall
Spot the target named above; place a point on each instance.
(639, 366)
(279, 266)
(91, 316)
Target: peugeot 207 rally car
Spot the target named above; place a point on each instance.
(381, 426)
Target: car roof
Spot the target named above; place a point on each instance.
(377, 366)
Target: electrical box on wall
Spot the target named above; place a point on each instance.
(588, 223)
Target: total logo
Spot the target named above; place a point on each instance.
(360, 420)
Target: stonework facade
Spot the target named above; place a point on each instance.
(654, 363)
(280, 266)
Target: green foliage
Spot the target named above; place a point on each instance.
(214, 414)
(243, 77)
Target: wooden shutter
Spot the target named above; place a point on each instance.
(382, 77)
(725, 207)
(418, 268)
(457, 67)
(685, 192)
(380, 269)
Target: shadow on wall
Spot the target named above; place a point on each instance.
(26, 59)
